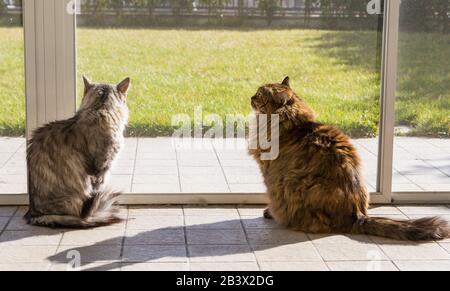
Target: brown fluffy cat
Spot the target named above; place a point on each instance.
(68, 161)
(316, 185)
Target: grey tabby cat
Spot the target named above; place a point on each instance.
(69, 159)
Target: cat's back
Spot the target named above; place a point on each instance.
(320, 144)
(53, 137)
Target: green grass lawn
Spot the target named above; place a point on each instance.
(175, 70)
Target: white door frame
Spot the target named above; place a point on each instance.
(50, 77)
(50, 61)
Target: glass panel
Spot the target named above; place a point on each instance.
(209, 57)
(422, 144)
(12, 100)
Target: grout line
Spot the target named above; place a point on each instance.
(317, 250)
(185, 240)
(430, 143)
(178, 172)
(9, 221)
(406, 177)
(221, 168)
(122, 246)
(134, 165)
(57, 248)
(426, 162)
(14, 153)
(246, 239)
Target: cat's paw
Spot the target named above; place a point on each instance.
(267, 214)
(97, 182)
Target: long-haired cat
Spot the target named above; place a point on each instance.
(68, 161)
(316, 184)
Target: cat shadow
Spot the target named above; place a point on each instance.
(177, 243)
(145, 247)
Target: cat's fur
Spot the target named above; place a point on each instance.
(68, 161)
(316, 184)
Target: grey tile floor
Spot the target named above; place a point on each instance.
(213, 238)
(157, 165)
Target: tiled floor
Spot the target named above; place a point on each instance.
(206, 166)
(220, 238)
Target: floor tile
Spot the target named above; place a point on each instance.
(410, 187)
(3, 222)
(213, 222)
(446, 246)
(197, 156)
(244, 178)
(44, 237)
(251, 210)
(92, 237)
(423, 265)
(206, 172)
(145, 159)
(338, 239)
(155, 237)
(13, 188)
(26, 254)
(293, 266)
(218, 253)
(216, 180)
(30, 267)
(123, 167)
(156, 170)
(235, 267)
(155, 211)
(156, 188)
(350, 252)
(158, 267)
(19, 223)
(431, 210)
(119, 182)
(98, 267)
(414, 251)
(155, 179)
(215, 236)
(155, 222)
(86, 254)
(142, 163)
(257, 222)
(154, 253)
(380, 210)
(13, 179)
(205, 211)
(248, 188)
(275, 236)
(205, 188)
(198, 163)
(362, 266)
(298, 252)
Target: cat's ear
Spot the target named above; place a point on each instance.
(286, 82)
(124, 86)
(88, 84)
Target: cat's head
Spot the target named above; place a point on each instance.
(271, 97)
(110, 95)
(279, 98)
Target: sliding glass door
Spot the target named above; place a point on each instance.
(196, 64)
(202, 60)
(422, 107)
(13, 178)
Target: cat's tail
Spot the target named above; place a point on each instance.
(425, 229)
(99, 210)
